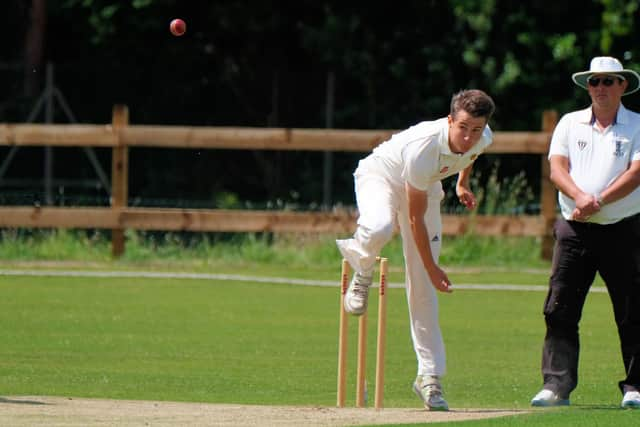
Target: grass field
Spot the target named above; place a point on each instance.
(209, 341)
(204, 340)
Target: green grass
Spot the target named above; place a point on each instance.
(242, 342)
(510, 260)
(574, 416)
(197, 251)
(209, 341)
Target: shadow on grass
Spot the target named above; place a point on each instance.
(599, 407)
(20, 402)
(582, 407)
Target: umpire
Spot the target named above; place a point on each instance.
(595, 164)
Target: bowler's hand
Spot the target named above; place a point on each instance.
(466, 197)
(440, 280)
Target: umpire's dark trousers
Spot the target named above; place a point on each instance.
(581, 250)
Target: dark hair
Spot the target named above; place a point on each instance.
(473, 101)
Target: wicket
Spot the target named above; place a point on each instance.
(362, 342)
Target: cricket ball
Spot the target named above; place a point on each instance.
(177, 27)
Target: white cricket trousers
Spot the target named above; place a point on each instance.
(381, 206)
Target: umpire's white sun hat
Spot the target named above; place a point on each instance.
(608, 65)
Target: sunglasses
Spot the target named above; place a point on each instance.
(595, 81)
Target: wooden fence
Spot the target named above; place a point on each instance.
(119, 135)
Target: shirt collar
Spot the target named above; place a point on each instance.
(586, 116)
(623, 115)
(444, 139)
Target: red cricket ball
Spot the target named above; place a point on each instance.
(177, 27)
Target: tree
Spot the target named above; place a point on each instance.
(247, 63)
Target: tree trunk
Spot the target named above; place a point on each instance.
(34, 47)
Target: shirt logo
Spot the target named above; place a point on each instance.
(582, 144)
(435, 238)
(618, 152)
(444, 169)
(472, 158)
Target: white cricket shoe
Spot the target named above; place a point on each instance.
(548, 398)
(429, 389)
(631, 400)
(357, 296)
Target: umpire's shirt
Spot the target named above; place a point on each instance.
(597, 158)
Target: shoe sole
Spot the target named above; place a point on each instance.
(428, 407)
(353, 312)
(630, 405)
(545, 404)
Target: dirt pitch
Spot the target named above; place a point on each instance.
(60, 411)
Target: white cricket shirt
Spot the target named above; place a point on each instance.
(421, 155)
(597, 158)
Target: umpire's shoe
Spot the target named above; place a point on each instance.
(549, 398)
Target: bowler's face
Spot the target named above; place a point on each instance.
(464, 131)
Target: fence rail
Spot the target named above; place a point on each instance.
(243, 221)
(119, 135)
(235, 138)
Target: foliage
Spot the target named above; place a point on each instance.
(512, 196)
(231, 252)
(495, 194)
(268, 65)
(386, 79)
(52, 245)
(617, 20)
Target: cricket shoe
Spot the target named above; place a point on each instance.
(357, 296)
(631, 400)
(429, 389)
(548, 398)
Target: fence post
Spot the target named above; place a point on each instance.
(548, 195)
(119, 175)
